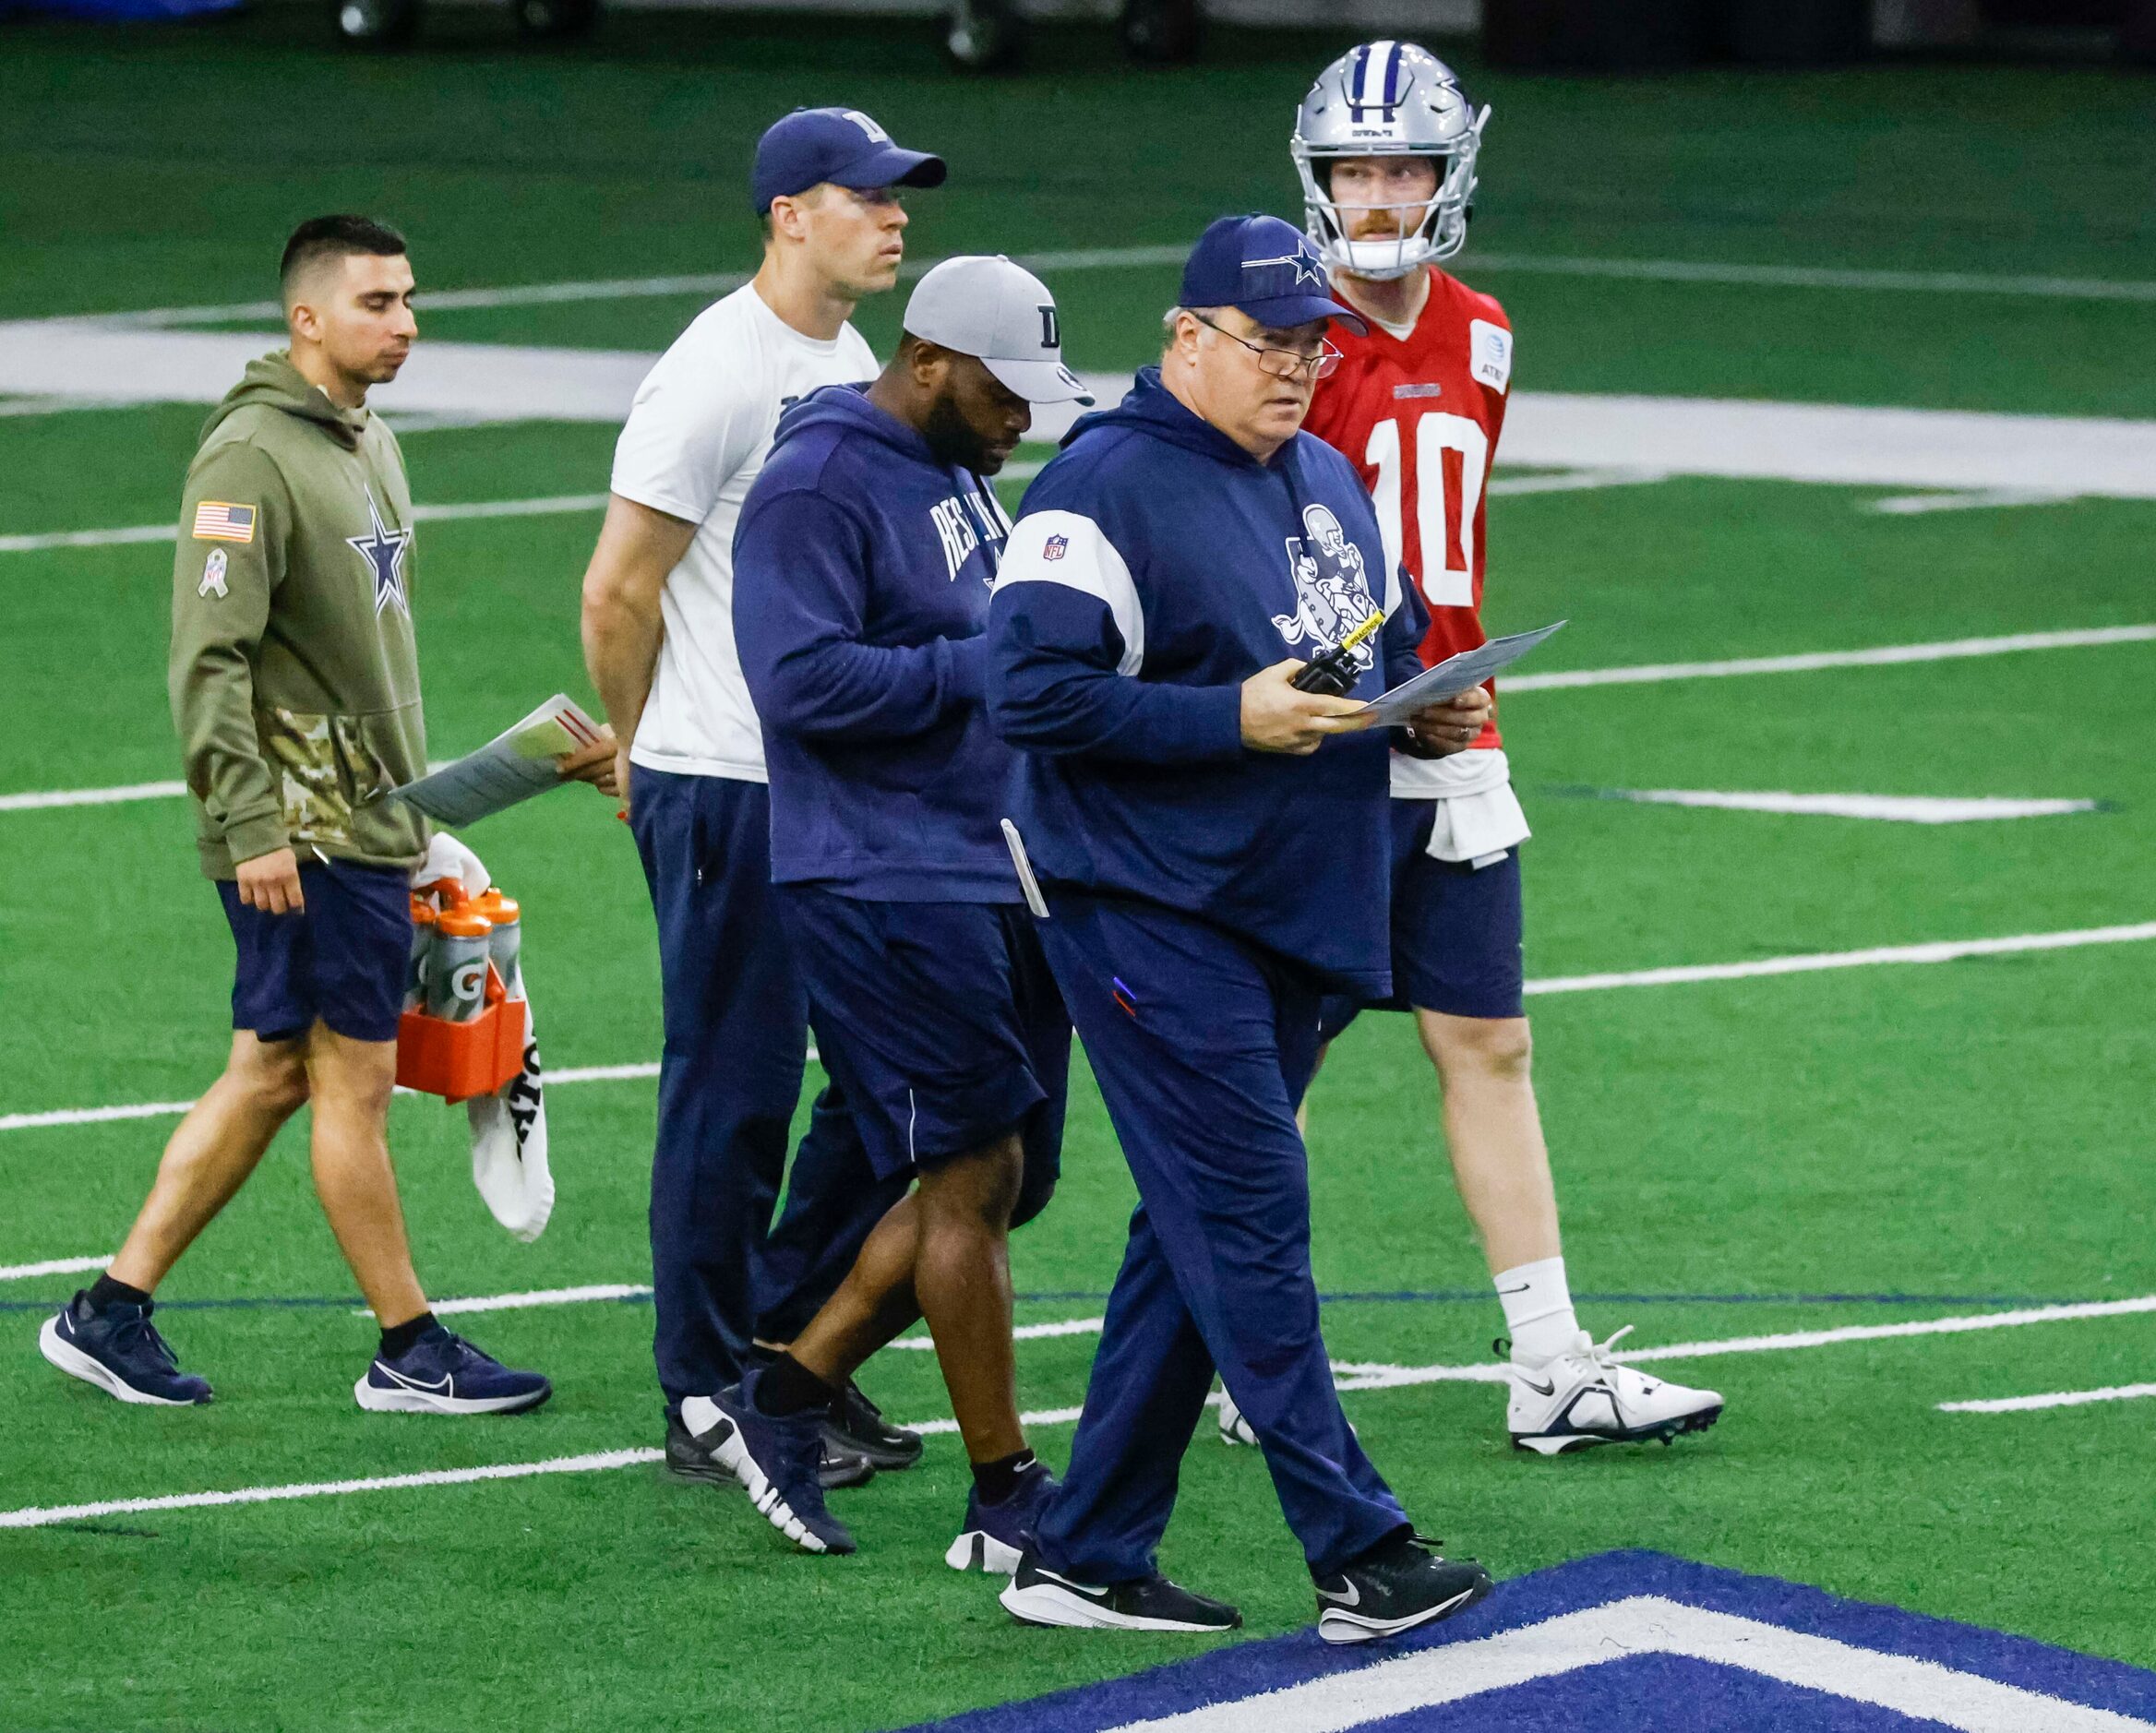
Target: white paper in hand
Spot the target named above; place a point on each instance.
(1454, 675)
(513, 766)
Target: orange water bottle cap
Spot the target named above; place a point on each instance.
(423, 912)
(498, 908)
(462, 923)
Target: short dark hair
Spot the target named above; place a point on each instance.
(335, 237)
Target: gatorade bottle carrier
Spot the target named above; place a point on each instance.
(458, 1060)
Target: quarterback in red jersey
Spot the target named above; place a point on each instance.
(1386, 144)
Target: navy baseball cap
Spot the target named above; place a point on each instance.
(839, 145)
(1266, 267)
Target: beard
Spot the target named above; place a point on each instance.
(953, 440)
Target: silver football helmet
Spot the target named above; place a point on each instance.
(1387, 98)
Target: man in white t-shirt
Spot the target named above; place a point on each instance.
(659, 643)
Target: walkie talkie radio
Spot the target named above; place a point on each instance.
(1334, 674)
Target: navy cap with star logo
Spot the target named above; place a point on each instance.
(1267, 269)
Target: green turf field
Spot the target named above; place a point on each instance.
(1736, 1157)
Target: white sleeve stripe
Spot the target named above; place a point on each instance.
(1085, 561)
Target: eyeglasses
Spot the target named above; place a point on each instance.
(1282, 364)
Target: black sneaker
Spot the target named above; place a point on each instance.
(857, 1427)
(118, 1350)
(692, 1451)
(1037, 1596)
(1401, 1584)
(694, 1455)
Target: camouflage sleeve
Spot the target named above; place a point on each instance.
(234, 518)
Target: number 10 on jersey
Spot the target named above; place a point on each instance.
(1450, 461)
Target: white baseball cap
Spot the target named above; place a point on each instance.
(1003, 314)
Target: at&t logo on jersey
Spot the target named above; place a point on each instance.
(1332, 589)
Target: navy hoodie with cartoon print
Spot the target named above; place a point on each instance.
(1155, 566)
(861, 574)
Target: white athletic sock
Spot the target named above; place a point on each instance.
(1537, 1310)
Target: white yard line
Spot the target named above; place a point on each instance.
(1941, 950)
(1348, 1375)
(542, 1296)
(1128, 257)
(1353, 1376)
(547, 506)
(1953, 650)
(634, 288)
(1944, 950)
(128, 535)
(2056, 1399)
(1809, 662)
(1815, 276)
(51, 1266)
(1990, 499)
(1025, 1332)
(1883, 809)
(44, 1517)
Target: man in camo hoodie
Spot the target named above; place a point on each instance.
(294, 686)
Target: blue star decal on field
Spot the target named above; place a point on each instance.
(384, 550)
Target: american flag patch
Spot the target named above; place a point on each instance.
(1055, 547)
(217, 522)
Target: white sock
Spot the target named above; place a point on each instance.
(1537, 1310)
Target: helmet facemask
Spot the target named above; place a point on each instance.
(1428, 233)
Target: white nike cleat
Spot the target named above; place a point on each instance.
(1586, 1396)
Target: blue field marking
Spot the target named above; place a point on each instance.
(1635, 1677)
(1392, 1296)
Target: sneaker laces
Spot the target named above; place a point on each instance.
(139, 1329)
(1603, 1353)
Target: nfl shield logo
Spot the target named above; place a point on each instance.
(1055, 545)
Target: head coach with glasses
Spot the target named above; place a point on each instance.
(1212, 845)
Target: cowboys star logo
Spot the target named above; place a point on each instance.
(384, 550)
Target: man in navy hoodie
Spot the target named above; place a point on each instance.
(861, 574)
(1214, 846)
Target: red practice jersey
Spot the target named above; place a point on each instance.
(1419, 417)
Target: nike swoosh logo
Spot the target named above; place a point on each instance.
(1540, 1390)
(440, 1386)
(1353, 1597)
(1075, 1588)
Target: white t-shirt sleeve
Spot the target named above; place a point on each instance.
(699, 415)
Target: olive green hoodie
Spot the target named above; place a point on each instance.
(293, 679)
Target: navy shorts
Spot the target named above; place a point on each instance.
(341, 960)
(941, 1022)
(1455, 931)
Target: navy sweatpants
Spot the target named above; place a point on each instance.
(1202, 1045)
(736, 1019)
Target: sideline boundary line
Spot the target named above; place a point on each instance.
(1938, 951)
(1357, 1376)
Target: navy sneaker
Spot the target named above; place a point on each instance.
(780, 1460)
(694, 1435)
(442, 1373)
(996, 1535)
(118, 1350)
